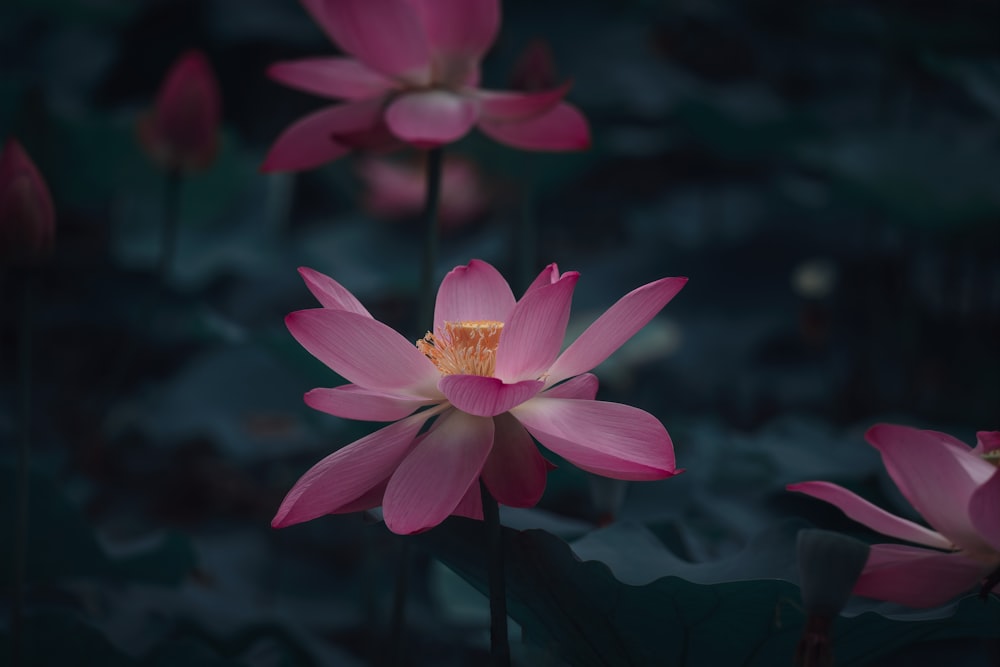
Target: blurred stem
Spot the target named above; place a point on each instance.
(23, 284)
(435, 158)
(171, 222)
(499, 647)
(397, 621)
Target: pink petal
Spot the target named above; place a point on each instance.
(549, 275)
(463, 29)
(563, 128)
(430, 118)
(984, 511)
(330, 293)
(515, 470)
(610, 331)
(333, 77)
(917, 577)
(348, 473)
(608, 439)
(353, 402)
(27, 215)
(473, 292)
(365, 352)
(486, 397)
(384, 35)
(986, 442)
(310, 141)
(433, 479)
(471, 505)
(937, 474)
(870, 515)
(534, 331)
(368, 500)
(581, 387)
(506, 106)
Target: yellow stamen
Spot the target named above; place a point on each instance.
(463, 348)
(992, 456)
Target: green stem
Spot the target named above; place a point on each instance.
(171, 223)
(22, 470)
(435, 158)
(499, 646)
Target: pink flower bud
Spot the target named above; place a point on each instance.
(27, 216)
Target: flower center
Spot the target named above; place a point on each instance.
(463, 348)
(992, 456)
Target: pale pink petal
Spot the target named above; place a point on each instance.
(937, 474)
(430, 118)
(471, 505)
(432, 480)
(563, 128)
(486, 397)
(534, 331)
(384, 35)
(473, 292)
(581, 387)
(330, 293)
(515, 470)
(353, 402)
(917, 577)
(310, 141)
(333, 77)
(608, 439)
(984, 510)
(365, 352)
(549, 275)
(348, 473)
(870, 515)
(464, 29)
(612, 329)
(505, 106)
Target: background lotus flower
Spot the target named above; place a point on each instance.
(413, 77)
(182, 130)
(956, 491)
(492, 375)
(535, 68)
(27, 216)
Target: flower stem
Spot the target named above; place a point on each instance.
(499, 647)
(171, 222)
(22, 470)
(435, 158)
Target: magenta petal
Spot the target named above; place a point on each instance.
(473, 292)
(330, 293)
(986, 442)
(383, 35)
(433, 479)
(534, 331)
(364, 351)
(471, 504)
(353, 402)
(937, 474)
(430, 118)
(368, 500)
(548, 275)
(515, 470)
(581, 387)
(917, 577)
(563, 128)
(610, 331)
(463, 29)
(333, 77)
(486, 397)
(870, 515)
(608, 439)
(309, 142)
(984, 511)
(505, 106)
(348, 473)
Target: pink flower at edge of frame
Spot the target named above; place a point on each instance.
(955, 490)
(485, 424)
(27, 215)
(411, 74)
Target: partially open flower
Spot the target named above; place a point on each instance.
(182, 129)
(27, 216)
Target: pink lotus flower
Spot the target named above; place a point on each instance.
(413, 77)
(182, 130)
(492, 377)
(957, 491)
(397, 189)
(27, 216)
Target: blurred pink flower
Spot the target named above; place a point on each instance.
(182, 129)
(492, 375)
(27, 216)
(535, 68)
(957, 491)
(397, 189)
(413, 77)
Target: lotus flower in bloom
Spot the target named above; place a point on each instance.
(27, 216)
(413, 77)
(491, 376)
(182, 130)
(957, 491)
